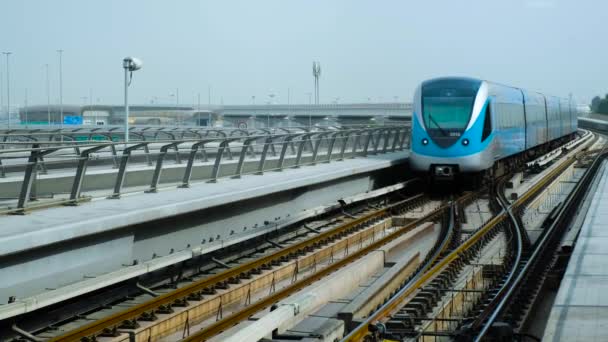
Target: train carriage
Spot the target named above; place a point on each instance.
(465, 125)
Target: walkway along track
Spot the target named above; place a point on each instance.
(189, 293)
(373, 328)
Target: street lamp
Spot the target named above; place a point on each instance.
(130, 64)
(48, 96)
(61, 89)
(8, 90)
(316, 73)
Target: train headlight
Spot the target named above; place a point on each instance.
(465, 142)
(425, 141)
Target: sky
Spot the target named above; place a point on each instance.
(374, 51)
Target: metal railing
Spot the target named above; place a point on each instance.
(147, 133)
(255, 154)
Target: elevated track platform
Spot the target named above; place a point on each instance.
(52, 254)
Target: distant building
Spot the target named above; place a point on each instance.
(240, 116)
(115, 115)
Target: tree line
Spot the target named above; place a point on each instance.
(599, 105)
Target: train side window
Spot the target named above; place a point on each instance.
(487, 124)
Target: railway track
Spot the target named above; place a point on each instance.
(343, 232)
(444, 213)
(115, 326)
(513, 303)
(216, 295)
(425, 307)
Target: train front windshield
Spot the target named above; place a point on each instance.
(447, 107)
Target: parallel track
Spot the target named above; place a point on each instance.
(440, 247)
(373, 329)
(532, 270)
(198, 289)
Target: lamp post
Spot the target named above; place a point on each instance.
(61, 89)
(130, 64)
(8, 89)
(48, 96)
(316, 73)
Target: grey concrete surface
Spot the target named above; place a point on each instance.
(59, 246)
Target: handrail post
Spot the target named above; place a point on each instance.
(370, 134)
(246, 146)
(356, 142)
(330, 146)
(377, 142)
(286, 142)
(225, 144)
(267, 144)
(345, 137)
(191, 157)
(147, 152)
(28, 179)
(386, 139)
(80, 172)
(395, 140)
(122, 169)
(114, 156)
(317, 145)
(159, 166)
(403, 139)
(303, 140)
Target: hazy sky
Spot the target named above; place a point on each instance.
(377, 49)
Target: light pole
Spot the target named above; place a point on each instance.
(61, 89)
(48, 96)
(1, 92)
(316, 73)
(8, 89)
(130, 64)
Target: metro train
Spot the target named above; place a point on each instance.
(470, 127)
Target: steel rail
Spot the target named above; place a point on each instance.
(359, 333)
(362, 330)
(502, 299)
(485, 319)
(243, 314)
(97, 327)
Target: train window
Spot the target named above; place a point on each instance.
(487, 124)
(447, 105)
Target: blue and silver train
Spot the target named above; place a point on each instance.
(467, 126)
